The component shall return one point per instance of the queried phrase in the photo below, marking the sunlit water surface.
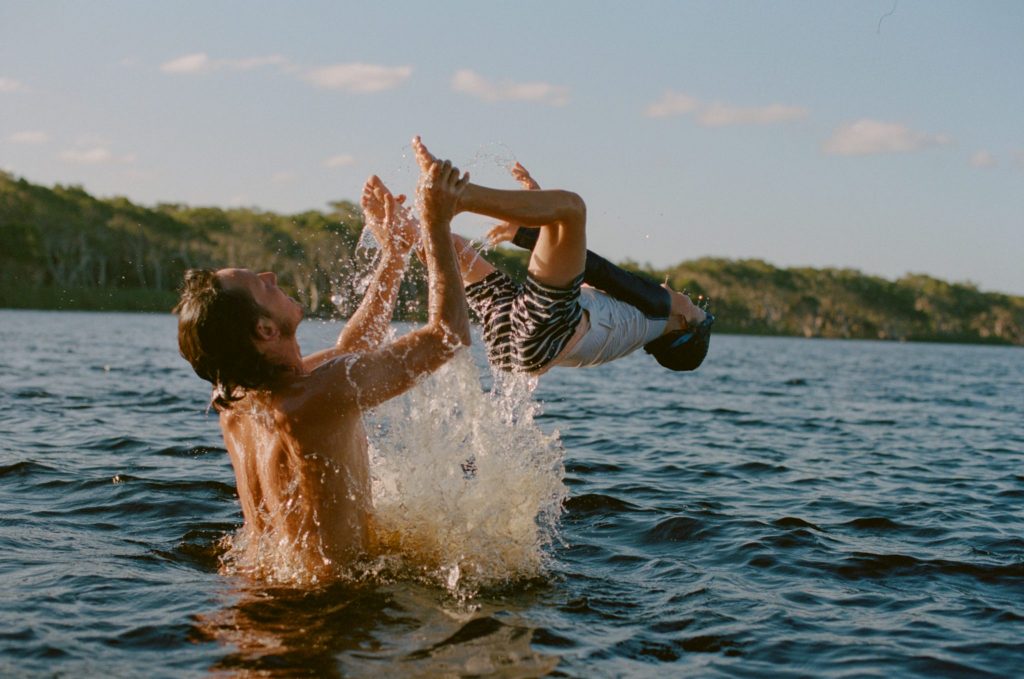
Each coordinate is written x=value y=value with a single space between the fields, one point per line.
x=794 y=508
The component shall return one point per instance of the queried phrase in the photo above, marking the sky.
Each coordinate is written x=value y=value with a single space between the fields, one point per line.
x=875 y=135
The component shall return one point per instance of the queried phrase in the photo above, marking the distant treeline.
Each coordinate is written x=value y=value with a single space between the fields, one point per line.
x=62 y=248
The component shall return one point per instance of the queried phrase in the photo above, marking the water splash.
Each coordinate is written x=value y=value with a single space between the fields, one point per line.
x=493 y=154
x=367 y=241
x=467 y=489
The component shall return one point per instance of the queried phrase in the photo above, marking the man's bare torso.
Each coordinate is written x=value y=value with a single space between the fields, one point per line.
x=300 y=481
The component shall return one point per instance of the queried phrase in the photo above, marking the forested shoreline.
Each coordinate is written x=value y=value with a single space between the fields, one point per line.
x=63 y=248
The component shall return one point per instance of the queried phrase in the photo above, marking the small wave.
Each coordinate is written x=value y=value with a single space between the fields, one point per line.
x=589 y=504
x=24 y=469
x=159 y=400
x=201 y=548
x=770 y=393
x=219 y=489
x=484 y=646
x=795 y=522
x=760 y=468
x=644 y=648
x=117 y=444
x=21 y=636
x=871 y=422
x=727 y=411
x=156 y=637
x=875 y=523
x=190 y=451
x=791 y=538
x=31 y=393
x=926 y=665
x=868 y=565
x=675 y=529
x=545 y=637
x=628 y=559
x=474 y=629
x=591 y=468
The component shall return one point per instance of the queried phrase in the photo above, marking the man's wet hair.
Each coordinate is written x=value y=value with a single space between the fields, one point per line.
x=216 y=335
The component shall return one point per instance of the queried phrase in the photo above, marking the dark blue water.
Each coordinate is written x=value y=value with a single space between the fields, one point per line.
x=795 y=508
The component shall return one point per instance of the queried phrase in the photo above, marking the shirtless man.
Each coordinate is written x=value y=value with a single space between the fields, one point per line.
x=552 y=319
x=292 y=424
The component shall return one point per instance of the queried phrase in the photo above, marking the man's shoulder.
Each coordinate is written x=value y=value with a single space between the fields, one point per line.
x=328 y=383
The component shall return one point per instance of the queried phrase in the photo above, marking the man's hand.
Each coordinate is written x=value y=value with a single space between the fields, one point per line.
x=440 y=189
x=390 y=222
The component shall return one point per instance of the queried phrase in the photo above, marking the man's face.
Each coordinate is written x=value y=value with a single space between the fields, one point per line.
x=282 y=309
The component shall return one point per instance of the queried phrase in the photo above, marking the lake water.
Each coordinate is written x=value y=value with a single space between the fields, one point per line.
x=794 y=508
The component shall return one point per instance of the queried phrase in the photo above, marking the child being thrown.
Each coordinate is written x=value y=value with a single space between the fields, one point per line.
x=575 y=309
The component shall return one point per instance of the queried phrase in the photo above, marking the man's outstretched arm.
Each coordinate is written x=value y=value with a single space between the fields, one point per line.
x=395 y=231
x=373 y=377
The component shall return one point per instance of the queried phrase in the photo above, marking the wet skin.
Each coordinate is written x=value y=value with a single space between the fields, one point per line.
x=299 y=449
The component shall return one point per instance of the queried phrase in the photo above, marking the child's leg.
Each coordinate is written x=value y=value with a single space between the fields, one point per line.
x=560 y=253
x=561 y=248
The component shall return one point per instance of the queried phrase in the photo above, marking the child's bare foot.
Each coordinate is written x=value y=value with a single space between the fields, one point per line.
x=522 y=175
x=426 y=160
x=506 y=232
x=423 y=156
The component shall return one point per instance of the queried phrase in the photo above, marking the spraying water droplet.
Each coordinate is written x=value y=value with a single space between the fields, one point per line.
x=367 y=241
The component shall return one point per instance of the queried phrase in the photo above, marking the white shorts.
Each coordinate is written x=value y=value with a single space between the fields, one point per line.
x=616 y=329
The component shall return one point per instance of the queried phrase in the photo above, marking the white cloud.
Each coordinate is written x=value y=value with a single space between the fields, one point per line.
x=720 y=115
x=10 y=85
x=92 y=140
x=983 y=159
x=283 y=177
x=190 y=63
x=672 y=104
x=868 y=137
x=357 y=77
x=200 y=62
x=250 y=63
x=97 y=155
x=472 y=83
x=29 y=137
x=340 y=160
x=352 y=77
